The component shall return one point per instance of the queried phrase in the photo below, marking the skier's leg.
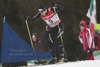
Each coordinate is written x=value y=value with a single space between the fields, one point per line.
x=57 y=50
x=61 y=50
x=52 y=47
x=53 y=52
x=61 y=44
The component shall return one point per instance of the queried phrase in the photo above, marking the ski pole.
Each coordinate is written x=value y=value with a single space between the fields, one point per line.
x=30 y=37
x=29 y=33
x=58 y=25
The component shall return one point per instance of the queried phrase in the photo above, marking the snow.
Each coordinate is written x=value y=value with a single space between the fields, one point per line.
x=95 y=63
x=97 y=58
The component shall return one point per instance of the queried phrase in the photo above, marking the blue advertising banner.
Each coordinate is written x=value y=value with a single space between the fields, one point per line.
x=15 y=49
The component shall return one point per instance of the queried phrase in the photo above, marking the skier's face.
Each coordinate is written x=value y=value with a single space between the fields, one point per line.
x=81 y=28
x=43 y=13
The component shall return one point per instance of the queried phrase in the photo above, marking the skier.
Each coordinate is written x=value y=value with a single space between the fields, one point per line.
x=50 y=16
x=97 y=36
x=85 y=38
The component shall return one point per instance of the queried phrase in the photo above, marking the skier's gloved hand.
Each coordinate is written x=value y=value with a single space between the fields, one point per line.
x=28 y=19
x=60 y=32
x=56 y=5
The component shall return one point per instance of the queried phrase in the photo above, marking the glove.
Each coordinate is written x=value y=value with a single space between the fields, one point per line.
x=88 y=51
x=56 y=5
x=26 y=18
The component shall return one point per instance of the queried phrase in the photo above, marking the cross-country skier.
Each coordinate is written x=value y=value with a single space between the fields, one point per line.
x=85 y=38
x=56 y=29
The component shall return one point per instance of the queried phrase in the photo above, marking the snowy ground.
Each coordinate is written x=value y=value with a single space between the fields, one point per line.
x=75 y=64
x=0 y=65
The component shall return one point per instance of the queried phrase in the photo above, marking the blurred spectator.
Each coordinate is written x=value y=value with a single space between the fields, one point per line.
x=37 y=43
x=97 y=36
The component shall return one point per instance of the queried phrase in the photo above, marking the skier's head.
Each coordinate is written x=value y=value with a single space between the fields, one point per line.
x=42 y=10
x=83 y=25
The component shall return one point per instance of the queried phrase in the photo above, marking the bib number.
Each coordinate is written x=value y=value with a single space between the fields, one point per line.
x=51 y=21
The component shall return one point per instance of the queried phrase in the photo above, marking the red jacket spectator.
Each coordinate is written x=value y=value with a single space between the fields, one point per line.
x=85 y=38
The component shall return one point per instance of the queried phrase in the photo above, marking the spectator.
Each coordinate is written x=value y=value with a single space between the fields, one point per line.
x=86 y=40
x=97 y=36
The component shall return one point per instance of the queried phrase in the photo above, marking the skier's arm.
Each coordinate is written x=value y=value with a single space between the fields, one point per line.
x=34 y=18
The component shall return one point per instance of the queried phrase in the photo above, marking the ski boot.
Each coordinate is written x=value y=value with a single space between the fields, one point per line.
x=53 y=61
x=62 y=59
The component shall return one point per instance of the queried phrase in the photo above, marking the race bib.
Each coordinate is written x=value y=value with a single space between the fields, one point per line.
x=51 y=20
